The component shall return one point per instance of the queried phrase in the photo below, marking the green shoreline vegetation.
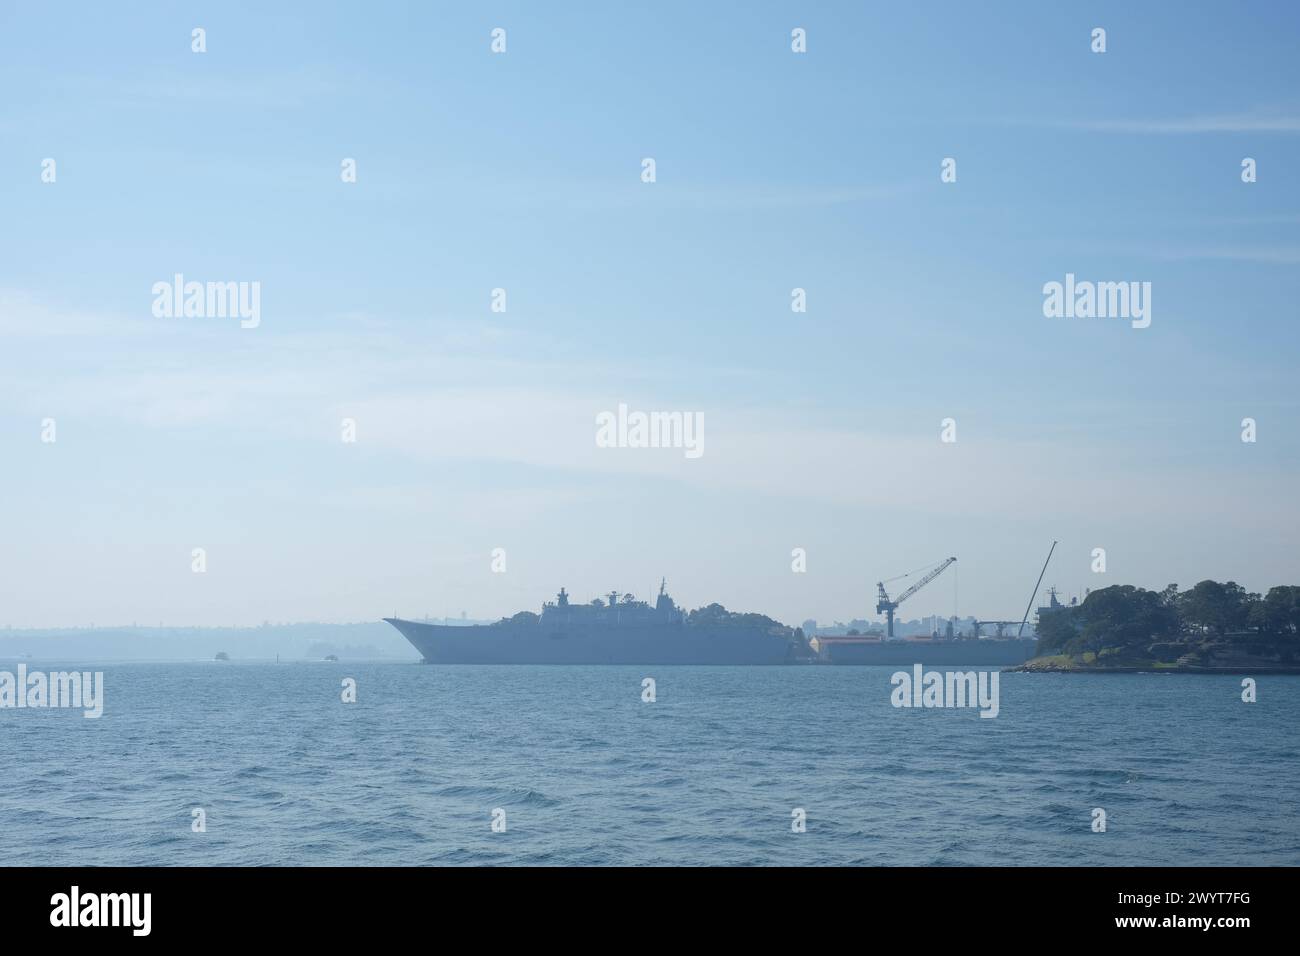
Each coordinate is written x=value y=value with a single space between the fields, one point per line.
x=1212 y=628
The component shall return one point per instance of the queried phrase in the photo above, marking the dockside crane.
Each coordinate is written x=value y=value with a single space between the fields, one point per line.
x=887 y=606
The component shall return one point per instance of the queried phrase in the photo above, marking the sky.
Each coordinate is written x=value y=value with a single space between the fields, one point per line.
x=774 y=170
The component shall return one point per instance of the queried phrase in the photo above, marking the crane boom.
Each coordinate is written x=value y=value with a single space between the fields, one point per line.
x=924 y=581
x=1037 y=585
x=885 y=605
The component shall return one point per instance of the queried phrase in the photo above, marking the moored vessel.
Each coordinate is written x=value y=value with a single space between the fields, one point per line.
x=617 y=629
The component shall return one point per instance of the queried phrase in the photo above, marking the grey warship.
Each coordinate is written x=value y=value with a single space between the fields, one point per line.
x=617 y=630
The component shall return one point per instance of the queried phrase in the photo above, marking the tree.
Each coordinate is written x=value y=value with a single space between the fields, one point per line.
x=1281 y=611
x=1214 y=607
x=1056 y=629
x=1119 y=616
x=715 y=615
x=522 y=619
x=1123 y=615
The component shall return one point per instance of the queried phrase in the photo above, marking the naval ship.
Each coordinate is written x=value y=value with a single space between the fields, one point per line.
x=617 y=630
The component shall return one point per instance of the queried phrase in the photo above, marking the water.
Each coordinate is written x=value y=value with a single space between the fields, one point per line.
x=588 y=774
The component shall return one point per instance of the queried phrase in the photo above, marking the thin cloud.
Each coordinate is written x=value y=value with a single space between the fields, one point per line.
x=1273 y=255
x=1232 y=123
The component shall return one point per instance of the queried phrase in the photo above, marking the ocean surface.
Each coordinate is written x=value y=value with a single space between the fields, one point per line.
x=587 y=773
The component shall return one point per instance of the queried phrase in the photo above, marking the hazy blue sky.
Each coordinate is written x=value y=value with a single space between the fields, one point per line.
x=775 y=170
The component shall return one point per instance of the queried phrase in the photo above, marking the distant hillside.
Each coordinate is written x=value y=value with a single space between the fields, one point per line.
x=371 y=640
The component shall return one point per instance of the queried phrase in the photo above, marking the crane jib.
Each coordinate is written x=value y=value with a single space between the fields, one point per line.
x=887 y=607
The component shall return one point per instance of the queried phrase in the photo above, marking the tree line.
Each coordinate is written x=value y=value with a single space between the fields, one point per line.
x=1124 y=615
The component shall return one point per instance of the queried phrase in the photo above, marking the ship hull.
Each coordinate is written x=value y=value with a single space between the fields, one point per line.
x=538 y=644
x=992 y=653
